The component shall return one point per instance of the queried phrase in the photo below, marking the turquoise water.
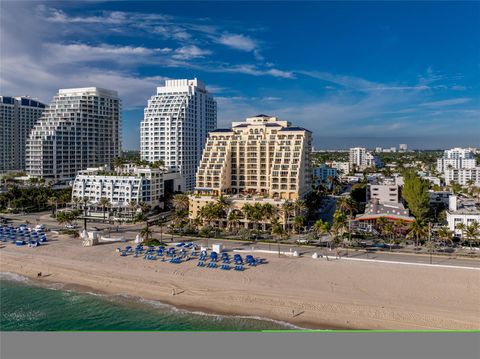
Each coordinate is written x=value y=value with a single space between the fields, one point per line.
x=25 y=306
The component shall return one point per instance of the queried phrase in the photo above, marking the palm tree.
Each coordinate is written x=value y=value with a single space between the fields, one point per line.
x=247 y=210
x=298 y=223
x=233 y=220
x=62 y=218
x=389 y=231
x=320 y=227
x=339 y=223
x=209 y=212
x=76 y=201
x=53 y=202
x=104 y=203
x=223 y=204
x=300 y=207
x=470 y=183
x=146 y=233
x=472 y=233
x=445 y=234
x=145 y=207
x=417 y=229
x=269 y=212
x=287 y=210
x=256 y=215
x=133 y=206
x=181 y=202
x=461 y=227
x=278 y=232
x=347 y=205
x=118 y=162
x=141 y=217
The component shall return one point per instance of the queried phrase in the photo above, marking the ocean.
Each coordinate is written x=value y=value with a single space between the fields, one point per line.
x=28 y=306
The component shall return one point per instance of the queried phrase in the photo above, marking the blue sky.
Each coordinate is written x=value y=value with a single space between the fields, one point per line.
x=359 y=73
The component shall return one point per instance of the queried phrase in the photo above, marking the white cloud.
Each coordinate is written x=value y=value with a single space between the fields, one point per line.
x=190 y=52
x=449 y=102
x=256 y=71
x=66 y=53
x=237 y=41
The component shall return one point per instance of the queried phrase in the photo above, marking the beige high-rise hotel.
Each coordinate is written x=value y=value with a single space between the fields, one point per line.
x=263 y=159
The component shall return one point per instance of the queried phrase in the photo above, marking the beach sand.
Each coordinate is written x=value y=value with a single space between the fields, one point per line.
x=335 y=294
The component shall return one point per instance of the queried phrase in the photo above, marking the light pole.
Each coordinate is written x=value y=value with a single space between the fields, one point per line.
x=430 y=241
x=85 y=217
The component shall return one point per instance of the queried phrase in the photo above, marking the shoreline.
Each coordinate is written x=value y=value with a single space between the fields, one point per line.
x=197 y=310
x=335 y=295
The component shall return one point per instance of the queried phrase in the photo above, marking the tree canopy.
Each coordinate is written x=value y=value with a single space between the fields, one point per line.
x=415 y=193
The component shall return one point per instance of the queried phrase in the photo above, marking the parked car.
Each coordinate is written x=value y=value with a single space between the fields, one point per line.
x=302 y=241
x=71 y=226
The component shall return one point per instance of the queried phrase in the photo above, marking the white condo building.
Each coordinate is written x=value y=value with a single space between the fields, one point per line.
x=342 y=167
x=456 y=158
x=18 y=115
x=125 y=188
x=176 y=123
x=362 y=158
x=79 y=129
x=462 y=176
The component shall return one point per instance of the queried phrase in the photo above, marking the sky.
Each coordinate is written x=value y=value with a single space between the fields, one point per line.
x=354 y=73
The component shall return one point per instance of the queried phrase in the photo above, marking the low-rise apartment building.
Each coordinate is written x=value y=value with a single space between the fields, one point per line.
x=125 y=188
x=461 y=211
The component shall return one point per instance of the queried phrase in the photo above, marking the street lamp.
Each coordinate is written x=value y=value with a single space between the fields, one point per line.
x=85 y=217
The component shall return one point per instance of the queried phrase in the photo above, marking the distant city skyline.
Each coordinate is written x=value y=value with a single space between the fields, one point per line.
x=355 y=74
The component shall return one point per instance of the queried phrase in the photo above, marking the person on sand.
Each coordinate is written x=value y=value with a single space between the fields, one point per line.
x=173 y=291
x=293 y=312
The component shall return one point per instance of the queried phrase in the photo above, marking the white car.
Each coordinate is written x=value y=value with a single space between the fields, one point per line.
x=302 y=241
x=70 y=226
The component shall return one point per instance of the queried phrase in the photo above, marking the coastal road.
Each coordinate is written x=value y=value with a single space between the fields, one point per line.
x=129 y=232
x=355 y=254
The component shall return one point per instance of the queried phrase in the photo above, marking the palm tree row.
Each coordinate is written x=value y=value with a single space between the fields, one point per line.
x=259 y=214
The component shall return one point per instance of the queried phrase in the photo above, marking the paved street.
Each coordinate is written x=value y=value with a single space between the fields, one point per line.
x=129 y=231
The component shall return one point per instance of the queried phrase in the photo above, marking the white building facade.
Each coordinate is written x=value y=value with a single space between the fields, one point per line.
x=18 y=115
x=462 y=176
x=342 y=167
x=456 y=158
x=361 y=158
x=465 y=212
x=175 y=126
x=79 y=129
x=125 y=189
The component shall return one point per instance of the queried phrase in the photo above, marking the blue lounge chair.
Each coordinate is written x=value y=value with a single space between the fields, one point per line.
x=239 y=268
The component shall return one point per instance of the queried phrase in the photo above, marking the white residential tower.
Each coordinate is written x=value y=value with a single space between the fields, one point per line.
x=79 y=129
x=175 y=127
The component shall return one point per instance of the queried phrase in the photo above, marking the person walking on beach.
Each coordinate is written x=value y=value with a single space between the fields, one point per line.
x=173 y=291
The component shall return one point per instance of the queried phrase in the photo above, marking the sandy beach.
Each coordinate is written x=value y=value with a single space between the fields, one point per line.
x=336 y=294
